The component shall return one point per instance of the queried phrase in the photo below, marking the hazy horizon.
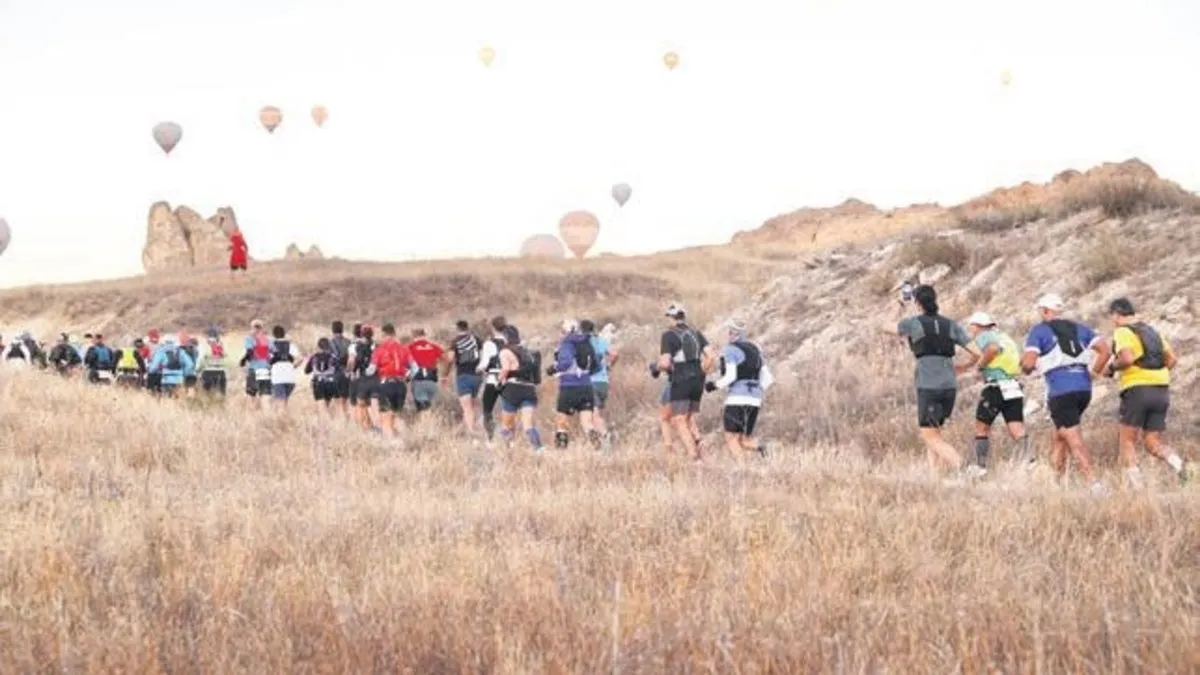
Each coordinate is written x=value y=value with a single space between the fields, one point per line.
x=427 y=153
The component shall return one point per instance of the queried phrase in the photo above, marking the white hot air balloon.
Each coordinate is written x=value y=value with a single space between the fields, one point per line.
x=621 y=193
x=167 y=135
x=5 y=235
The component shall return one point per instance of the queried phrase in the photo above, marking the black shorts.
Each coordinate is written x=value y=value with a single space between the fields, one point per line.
x=992 y=404
x=325 y=390
x=1145 y=407
x=153 y=381
x=343 y=386
x=213 y=382
x=575 y=399
x=238 y=267
x=517 y=395
x=740 y=419
x=684 y=395
x=256 y=387
x=391 y=393
x=1066 y=411
x=363 y=389
x=189 y=381
x=934 y=407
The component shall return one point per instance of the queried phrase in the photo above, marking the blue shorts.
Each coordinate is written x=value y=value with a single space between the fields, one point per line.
x=508 y=407
x=468 y=384
x=282 y=391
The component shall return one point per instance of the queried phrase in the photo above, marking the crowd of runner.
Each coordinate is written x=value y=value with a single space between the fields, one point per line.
x=368 y=375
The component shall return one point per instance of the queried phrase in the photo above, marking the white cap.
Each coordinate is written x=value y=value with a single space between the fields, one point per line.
x=735 y=325
x=1051 y=301
x=570 y=325
x=980 y=319
x=674 y=309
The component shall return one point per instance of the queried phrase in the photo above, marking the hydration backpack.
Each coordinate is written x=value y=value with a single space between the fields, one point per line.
x=751 y=365
x=173 y=360
x=281 y=351
x=466 y=351
x=529 y=365
x=1067 y=334
x=339 y=347
x=262 y=348
x=585 y=357
x=937 y=337
x=325 y=366
x=689 y=346
x=104 y=357
x=217 y=349
x=362 y=357
x=1153 y=357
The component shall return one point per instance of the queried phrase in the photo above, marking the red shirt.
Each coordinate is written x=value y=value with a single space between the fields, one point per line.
x=391 y=358
x=425 y=353
x=238 y=250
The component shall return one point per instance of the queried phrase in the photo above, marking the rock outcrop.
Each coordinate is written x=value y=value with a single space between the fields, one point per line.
x=314 y=253
x=293 y=252
x=182 y=239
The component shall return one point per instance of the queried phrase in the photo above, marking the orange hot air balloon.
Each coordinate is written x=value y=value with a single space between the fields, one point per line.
x=167 y=135
x=270 y=116
x=671 y=59
x=579 y=230
x=543 y=246
x=319 y=114
x=487 y=55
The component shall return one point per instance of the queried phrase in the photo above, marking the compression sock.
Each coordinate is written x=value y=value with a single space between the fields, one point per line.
x=595 y=438
x=983 y=446
x=506 y=434
x=535 y=438
x=561 y=439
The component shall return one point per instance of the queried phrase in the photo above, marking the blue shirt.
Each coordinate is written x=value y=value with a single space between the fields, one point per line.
x=1064 y=374
x=569 y=372
x=600 y=346
x=158 y=364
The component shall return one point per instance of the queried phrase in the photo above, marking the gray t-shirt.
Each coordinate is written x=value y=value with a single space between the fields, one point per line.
x=934 y=372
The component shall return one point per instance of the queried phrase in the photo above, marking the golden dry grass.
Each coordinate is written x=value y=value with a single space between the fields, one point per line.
x=144 y=536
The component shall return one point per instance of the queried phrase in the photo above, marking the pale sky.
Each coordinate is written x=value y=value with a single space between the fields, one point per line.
x=775 y=105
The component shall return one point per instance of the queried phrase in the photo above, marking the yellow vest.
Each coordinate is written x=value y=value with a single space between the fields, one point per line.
x=128 y=359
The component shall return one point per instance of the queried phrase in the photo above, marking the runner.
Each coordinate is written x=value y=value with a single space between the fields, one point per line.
x=426 y=355
x=574 y=364
x=520 y=374
x=191 y=347
x=324 y=368
x=464 y=355
x=257 y=362
x=999 y=365
x=64 y=358
x=489 y=368
x=341 y=346
x=686 y=356
x=1143 y=359
x=390 y=362
x=100 y=362
x=933 y=340
x=131 y=366
x=153 y=376
x=1062 y=350
x=172 y=364
x=215 y=364
x=744 y=372
x=364 y=384
x=606 y=356
x=283 y=366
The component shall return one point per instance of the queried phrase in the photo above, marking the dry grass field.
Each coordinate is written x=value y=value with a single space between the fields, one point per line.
x=148 y=536
x=145 y=536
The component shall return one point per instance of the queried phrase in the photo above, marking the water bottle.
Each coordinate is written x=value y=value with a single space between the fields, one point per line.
x=906 y=291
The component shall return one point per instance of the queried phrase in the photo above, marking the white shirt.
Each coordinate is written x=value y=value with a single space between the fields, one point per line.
x=487 y=352
x=284 y=372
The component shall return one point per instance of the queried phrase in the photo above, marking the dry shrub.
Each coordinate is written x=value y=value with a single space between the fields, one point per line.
x=1107 y=260
x=1000 y=220
x=927 y=251
x=1126 y=197
x=143 y=536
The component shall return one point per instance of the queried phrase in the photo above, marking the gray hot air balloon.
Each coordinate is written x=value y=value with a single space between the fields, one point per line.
x=167 y=135
x=543 y=246
x=621 y=192
x=5 y=235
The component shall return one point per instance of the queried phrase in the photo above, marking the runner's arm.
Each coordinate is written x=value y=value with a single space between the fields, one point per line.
x=708 y=359
x=613 y=356
x=1104 y=354
x=508 y=363
x=1169 y=359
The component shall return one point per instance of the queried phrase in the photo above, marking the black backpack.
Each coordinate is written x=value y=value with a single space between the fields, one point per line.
x=529 y=364
x=1067 y=334
x=585 y=357
x=281 y=351
x=751 y=366
x=173 y=360
x=689 y=344
x=937 y=337
x=362 y=356
x=1153 y=357
x=466 y=351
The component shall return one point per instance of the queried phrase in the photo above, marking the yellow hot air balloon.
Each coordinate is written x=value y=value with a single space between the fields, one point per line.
x=319 y=114
x=270 y=116
x=543 y=246
x=671 y=59
x=1006 y=77
x=486 y=55
x=579 y=230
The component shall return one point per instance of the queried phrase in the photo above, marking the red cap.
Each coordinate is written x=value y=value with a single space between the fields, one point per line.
x=152 y=334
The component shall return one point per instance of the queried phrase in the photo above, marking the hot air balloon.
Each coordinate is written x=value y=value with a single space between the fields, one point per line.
x=1006 y=77
x=486 y=54
x=167 y=135
x=270 y=116
x=579 y=229
x=671 y=59
x=319 y=114
x=5 y=235
x=543 y=246
x=621 y=192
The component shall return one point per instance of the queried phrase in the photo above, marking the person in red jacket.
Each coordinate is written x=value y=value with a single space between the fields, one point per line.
x=390 y=362
x=238 y=251
x=426 y=355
